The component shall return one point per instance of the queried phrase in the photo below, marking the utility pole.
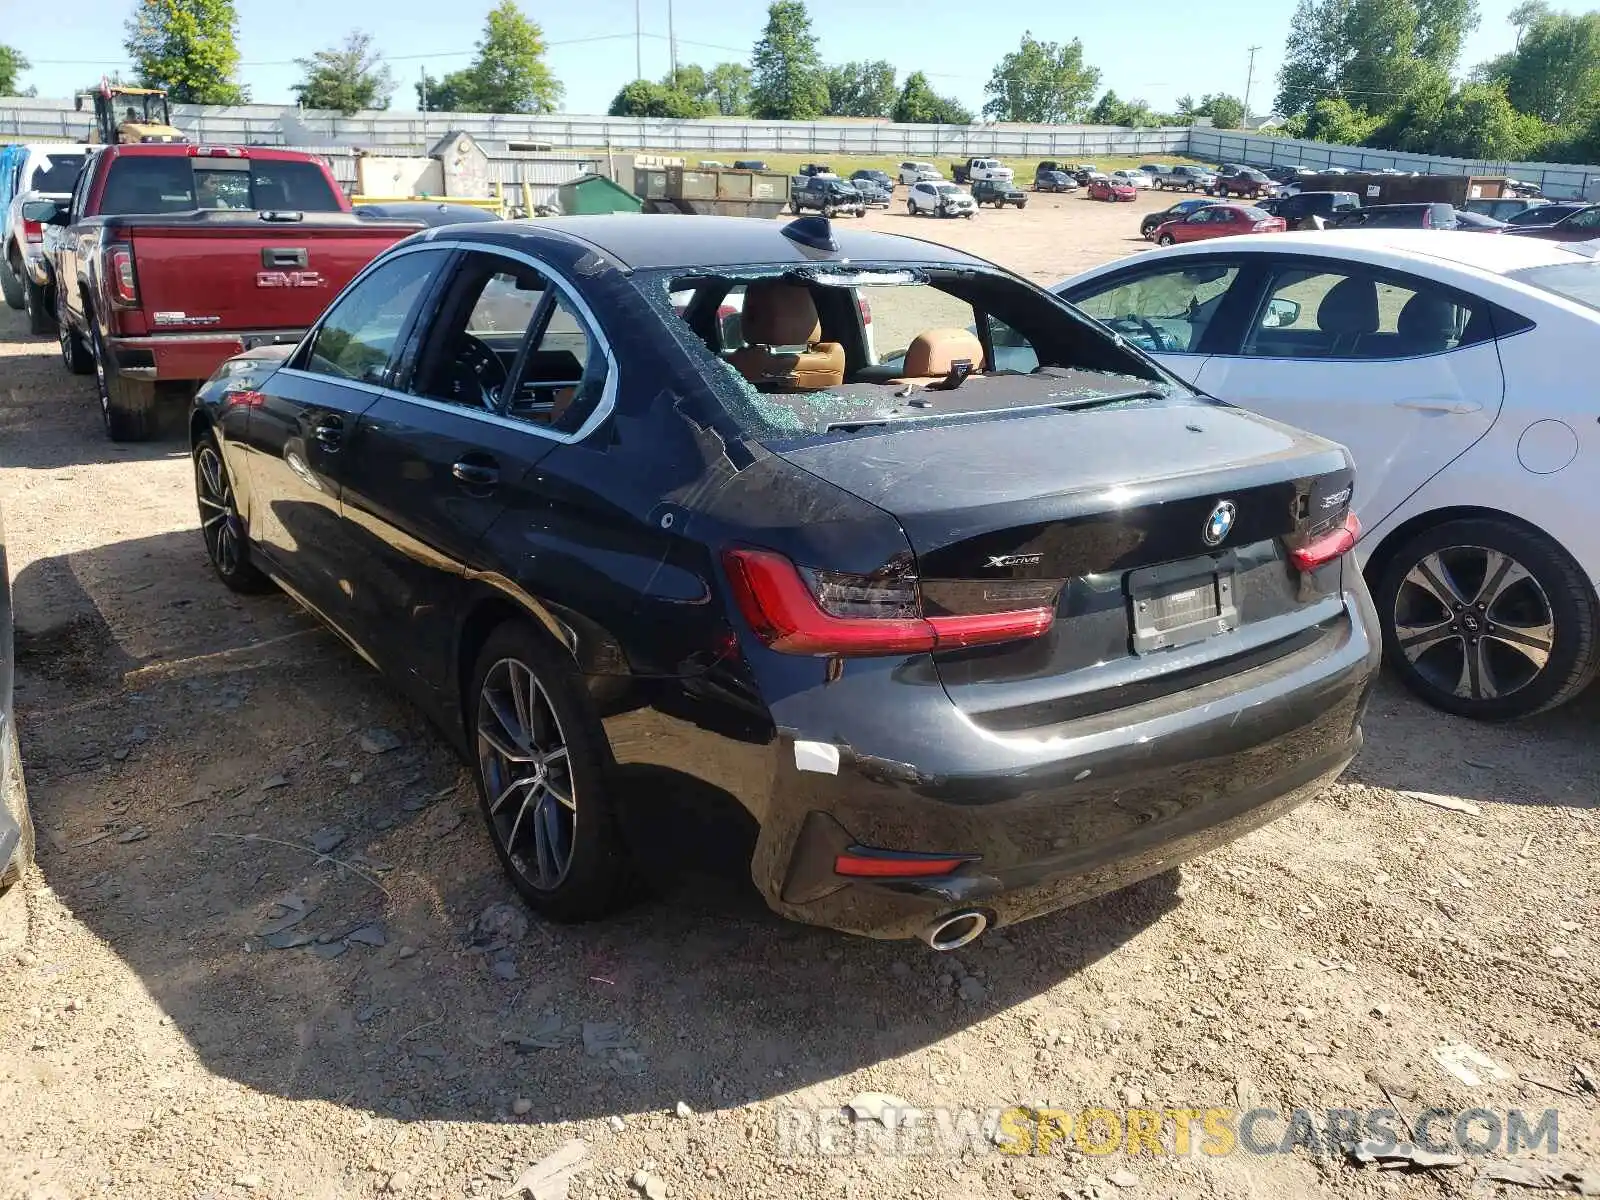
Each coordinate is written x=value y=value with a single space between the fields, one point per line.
x=672 y=43
x=638 y=43
x=1249 y=78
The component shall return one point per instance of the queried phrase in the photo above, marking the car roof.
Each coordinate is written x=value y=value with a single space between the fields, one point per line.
x=640 y=241
x=1474 y=251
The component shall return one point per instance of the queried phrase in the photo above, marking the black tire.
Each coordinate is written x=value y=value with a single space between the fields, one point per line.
x=911 y=208
x=11 y=279
x=127 y=405
x=592 y=880
x=794 y=207
x=37 y=302
x=221 y=526
x=1164 y=240
x=73 y=356
x=1501 y=578
x=16 y=803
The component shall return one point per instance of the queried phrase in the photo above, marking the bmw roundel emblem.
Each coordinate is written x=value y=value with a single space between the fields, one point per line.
x=1219 y=523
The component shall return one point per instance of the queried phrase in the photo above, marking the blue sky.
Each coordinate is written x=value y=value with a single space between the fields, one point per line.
x=1157 y=50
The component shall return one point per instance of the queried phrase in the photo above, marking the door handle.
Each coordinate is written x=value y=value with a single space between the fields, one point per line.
x=329 y=432
x=1440 y=405
x=476 y=475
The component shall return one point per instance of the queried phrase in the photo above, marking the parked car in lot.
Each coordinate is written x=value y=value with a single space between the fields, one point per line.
x=170 y=257
x=1548 y=213
x=1188 y=179
x=427 y=212
x=1151 y=222
x=813 y=169
x=1106 y=188
x=898 y=674
x=749 y=164
x=1244 y=182
x=36 y=171
x=1471 y=222
x=1217 y=220
x=1156 y=171
x=1299 y=209
x=974 y=169
x=826 y=194
x=918 y=172
x=1398 y=216
x=1503 y=208
x=1084 y=172
x=1581 y=226
x=988 y=191
x=16 y=824
x=939 y=200
x=1445 y=362
x=882 y=178
x=1054 y=181
x=1134 y=179
x=873 y=193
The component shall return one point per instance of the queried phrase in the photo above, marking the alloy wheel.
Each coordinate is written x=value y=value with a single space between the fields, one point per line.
x=219 y=518
x=1474 y=622
x=527 y=774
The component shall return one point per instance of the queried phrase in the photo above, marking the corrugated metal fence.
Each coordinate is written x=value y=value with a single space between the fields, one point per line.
x=505 y=135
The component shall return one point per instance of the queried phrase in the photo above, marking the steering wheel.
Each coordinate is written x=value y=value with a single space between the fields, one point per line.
x=476 y=361
x=1133 y=326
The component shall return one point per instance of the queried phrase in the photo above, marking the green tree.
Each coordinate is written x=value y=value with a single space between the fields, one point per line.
x=689 y=78
x=349 y=77
x=1334 y=119
x=919 y=104
x=12 y=65
x=187 y=47
x=1554 y=73
x=1111 y=109
x=508 y=75
x=1042 y=82
x=641 y=98
x=728 y=88
x=787 y=82
x=440 y=95
x=861 y=89
x=1525 y=15
x=1226 y=112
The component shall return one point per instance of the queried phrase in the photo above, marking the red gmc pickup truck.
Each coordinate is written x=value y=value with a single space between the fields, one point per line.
x=170 y=258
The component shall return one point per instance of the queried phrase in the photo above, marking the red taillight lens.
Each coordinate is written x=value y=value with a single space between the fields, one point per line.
x=827 y=612
x=1328 y=547
x=866 y=309
x=1427 y=218
x=119 y=273
x=861 y=863
x=32 y=231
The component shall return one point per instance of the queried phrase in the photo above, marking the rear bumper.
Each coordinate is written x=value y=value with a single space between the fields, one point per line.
x=189 y=355
x=1056 y=815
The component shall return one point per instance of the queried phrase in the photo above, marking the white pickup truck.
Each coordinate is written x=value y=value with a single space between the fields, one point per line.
x=982 y=168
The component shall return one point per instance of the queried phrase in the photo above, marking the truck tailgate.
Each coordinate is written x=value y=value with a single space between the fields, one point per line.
x=256 y=277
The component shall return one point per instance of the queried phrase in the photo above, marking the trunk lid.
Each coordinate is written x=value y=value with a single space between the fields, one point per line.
x=246 y=273
x=1166 y=524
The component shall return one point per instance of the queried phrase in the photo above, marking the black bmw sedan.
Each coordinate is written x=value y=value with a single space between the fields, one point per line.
x=972 y=608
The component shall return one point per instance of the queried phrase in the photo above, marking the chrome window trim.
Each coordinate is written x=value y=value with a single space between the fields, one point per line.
x=608 y=393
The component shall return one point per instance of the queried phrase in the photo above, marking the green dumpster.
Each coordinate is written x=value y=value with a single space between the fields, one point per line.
x=588 y=195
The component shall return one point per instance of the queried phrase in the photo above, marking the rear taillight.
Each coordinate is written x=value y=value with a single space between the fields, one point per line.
x=32 y=231
x=1321 y=551
x=864 y=862
x=1427 y=218
x=799 y=611
x=124 y=284
x=866 y=309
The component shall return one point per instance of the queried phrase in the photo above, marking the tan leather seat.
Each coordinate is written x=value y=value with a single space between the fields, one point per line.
x=782 y=329
x=934 y=352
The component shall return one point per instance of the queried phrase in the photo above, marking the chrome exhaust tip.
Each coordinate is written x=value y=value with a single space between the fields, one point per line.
x=955 y=930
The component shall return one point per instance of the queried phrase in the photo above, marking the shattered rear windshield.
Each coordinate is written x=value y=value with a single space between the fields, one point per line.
x=822 y=350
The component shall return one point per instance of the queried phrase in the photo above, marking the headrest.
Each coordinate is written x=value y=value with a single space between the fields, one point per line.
x=779 y=313
x=934 y=351
x=1351 y=306
x=1427 y=317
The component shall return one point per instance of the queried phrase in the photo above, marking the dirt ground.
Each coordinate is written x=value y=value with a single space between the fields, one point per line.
x=188 y=753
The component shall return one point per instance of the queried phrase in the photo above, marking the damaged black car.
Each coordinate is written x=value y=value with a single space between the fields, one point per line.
x=965 y=606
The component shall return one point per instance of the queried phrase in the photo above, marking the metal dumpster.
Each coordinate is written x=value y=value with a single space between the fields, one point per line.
x=712 y=192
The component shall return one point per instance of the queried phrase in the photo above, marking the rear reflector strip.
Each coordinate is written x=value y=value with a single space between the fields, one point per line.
x=860 y=862
x=783 y=612
x=1328 y=547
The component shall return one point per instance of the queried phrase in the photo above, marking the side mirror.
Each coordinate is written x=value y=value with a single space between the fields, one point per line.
x=46 y=212
x=1280 y=312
